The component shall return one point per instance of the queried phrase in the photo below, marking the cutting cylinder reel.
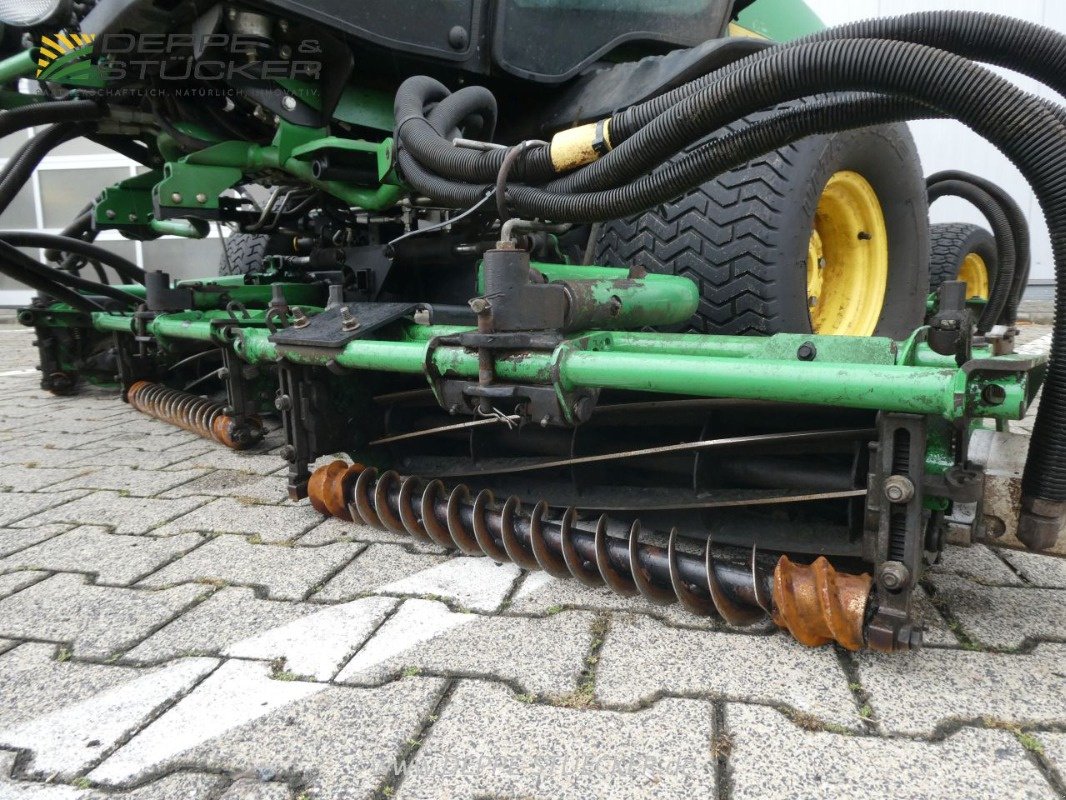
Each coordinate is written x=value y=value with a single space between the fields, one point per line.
x=814 y=602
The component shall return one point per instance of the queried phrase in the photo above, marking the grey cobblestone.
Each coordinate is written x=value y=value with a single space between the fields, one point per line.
x=31 y=479
x=251 y=789
x=376 y=566
x=114 y=558
x=540 y=593
x=1003 y=617
x=256 y=462
x=240 y=720
x=14 y=539
x=229 y=615
x=1039 y=570
x=979 y=564
x=916 y=693
x=662 y=751
x=226 y=515
x=33 y=683
x=772 y=758
x=1054 y=748
x=26 y=508
x=122 y=514
x=72 y=738
x=332 y=530
x=131 y=481
x=287 y=573
x=315 y=647
x=543 y=656
x=99 y=620
x=642 y=660
x=231 y=483
x=16 y=581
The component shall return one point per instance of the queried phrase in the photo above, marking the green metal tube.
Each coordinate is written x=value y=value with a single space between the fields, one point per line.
x=888 y=388
x=20 y=65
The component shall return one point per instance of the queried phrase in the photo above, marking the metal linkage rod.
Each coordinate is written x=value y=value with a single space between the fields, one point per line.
x=814 y=602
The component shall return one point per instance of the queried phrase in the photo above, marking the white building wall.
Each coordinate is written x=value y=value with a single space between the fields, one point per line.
x=950 y=145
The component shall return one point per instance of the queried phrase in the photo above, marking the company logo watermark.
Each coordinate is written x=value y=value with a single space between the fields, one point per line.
x=119 y=60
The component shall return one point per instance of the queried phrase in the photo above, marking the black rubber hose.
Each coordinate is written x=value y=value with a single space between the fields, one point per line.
x=1025 y=47
x=12 y=255
x=1006 y=249
x=18 y=119
x=1019 y=227
x=80 y=226
x=438 y=155
x=45 y=285
x=472 y=108
x=28 y=158
x=124 y=267
x=828 y=114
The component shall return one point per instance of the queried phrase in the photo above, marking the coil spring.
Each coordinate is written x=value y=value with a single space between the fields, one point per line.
x=195 y=414
x=814 y=602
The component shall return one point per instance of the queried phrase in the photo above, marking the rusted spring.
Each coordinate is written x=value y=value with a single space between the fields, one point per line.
x=815 y=603
x=195 y=414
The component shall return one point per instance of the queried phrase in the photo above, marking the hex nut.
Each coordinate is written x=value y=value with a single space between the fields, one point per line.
x=899 y=489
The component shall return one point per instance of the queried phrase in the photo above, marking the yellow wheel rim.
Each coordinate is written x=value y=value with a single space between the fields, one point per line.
x=974 y=272
x=847 y=258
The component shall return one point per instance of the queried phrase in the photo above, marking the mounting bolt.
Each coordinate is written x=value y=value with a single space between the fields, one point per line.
x=899 y=489
x=175 y=197
x=288 y=452
x=110 y=213
x=348 y=321
x=288 y=102
x=133 y=217
x=812 y=301
x=223 y=373
x=894 y=576
x=806 y=351
x=283 y=402
x=285 y=52
x=994 y=394
x=479 y=305
x=299 y=318
x=201 y=198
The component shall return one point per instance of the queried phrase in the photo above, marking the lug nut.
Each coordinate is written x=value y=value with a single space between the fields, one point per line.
x=899 y=489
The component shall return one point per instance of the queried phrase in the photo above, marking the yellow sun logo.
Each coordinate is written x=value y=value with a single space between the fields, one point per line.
x=61 y=49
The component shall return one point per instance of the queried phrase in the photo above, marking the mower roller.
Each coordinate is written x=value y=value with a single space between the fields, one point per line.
x=649 y=310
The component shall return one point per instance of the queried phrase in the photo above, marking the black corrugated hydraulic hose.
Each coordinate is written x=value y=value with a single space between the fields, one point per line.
x=1025 y=47
x=124 y=267
x=18 y=119
x=17 y=271
x=1019 y=228
x=21 y=165
x=437 y=154
x=10 y=254
x=1006 y=248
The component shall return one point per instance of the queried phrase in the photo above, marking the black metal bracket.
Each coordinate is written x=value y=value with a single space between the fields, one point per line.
x=336 y=327
x=896 y=527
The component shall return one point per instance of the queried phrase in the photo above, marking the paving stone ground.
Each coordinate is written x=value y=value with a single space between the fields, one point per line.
x=173 y=628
